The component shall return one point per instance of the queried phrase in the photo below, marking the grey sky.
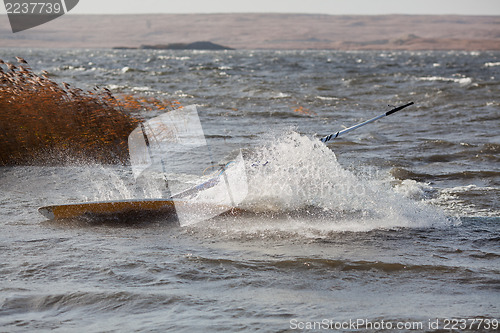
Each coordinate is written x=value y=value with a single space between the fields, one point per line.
x=364 y=7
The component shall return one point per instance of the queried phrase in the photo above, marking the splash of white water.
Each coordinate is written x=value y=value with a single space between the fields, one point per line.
x=296 y=183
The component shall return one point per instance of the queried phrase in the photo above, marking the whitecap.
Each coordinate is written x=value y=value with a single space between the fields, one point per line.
x=462 y=81
x=327 y=98
x=280 y=95
x=115 y=87
x=141 y=88
x=492 y=64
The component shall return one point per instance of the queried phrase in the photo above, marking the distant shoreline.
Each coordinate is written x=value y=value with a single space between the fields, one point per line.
x=263 y=32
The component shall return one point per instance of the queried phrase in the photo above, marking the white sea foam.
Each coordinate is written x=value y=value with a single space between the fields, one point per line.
x=115 y=87
x=142 y=89
x=415 y=190
x=492 y=64
x=278 y=95
x=327 y=98
x=462 y=81
x=455 y=200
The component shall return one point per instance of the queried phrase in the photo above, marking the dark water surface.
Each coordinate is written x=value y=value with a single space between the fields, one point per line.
x=395 y=223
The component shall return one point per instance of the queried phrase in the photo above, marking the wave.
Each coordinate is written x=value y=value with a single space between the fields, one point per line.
x=86 y=301
x=327 y=98
x=491 y=64
x=402 y=173
x=462 y=81
x=323 y=264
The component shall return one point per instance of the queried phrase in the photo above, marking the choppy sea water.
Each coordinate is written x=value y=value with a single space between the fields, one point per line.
x=395 y=223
